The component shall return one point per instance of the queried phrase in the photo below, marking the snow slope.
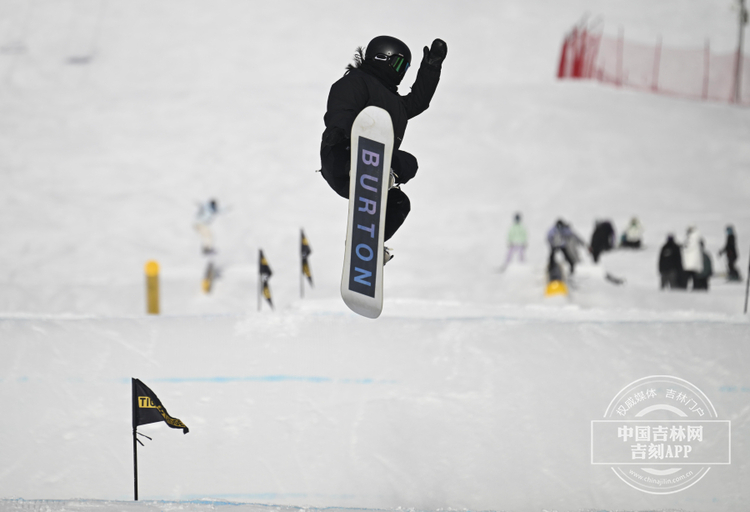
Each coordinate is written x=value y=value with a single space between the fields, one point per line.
x=472 y=390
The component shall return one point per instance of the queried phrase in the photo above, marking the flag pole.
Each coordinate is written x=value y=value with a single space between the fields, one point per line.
x=260 y=278
x=147 y=408
x=747 y=286
x=301 y=267
x=135 y=439
x=135 y=462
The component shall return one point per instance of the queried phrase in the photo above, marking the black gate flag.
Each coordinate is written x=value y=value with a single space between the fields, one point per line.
x=265 y=274
x=305 y=252
x=147 y=408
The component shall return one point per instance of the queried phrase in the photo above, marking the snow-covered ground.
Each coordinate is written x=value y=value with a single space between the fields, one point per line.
x=473 y=390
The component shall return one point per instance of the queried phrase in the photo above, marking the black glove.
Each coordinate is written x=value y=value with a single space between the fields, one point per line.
x=333 y=136
x=436 y=55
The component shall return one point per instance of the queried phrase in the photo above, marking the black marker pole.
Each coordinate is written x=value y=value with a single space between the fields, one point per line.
x=747 y=286
x=135 y=439
x=135 y=463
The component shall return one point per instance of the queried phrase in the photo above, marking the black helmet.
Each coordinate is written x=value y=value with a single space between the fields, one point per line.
x=390 y=51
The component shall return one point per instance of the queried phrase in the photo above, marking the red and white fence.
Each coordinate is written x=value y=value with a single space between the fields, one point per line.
x=692 y=73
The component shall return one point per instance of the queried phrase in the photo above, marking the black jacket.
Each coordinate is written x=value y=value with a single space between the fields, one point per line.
x=730 y=248
x=670 y=257
x=364 y=86
x=603 y=238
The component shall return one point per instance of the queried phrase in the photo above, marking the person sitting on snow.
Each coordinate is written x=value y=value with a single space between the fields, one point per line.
x=633 y=233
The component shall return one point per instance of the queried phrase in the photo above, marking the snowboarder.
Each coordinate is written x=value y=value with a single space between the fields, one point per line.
x=373 y=80
x=730 y=249
x=670 y=264
x=562 y=238
x=205 y=216
x=517 y=239
x=603 y=239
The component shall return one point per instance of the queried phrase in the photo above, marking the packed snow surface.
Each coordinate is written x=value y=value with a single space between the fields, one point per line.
x=473 y=390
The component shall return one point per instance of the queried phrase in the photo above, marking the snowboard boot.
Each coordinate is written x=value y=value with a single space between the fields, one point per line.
x=387 y=256
x=392 y=180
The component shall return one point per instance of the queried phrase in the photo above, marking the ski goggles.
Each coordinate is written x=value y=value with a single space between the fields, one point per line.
x=397 y=62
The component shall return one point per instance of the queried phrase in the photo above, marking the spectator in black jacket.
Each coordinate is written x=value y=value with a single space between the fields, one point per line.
x=730 y=249
x=373 y=81
x=670 y=264
x=603 y=239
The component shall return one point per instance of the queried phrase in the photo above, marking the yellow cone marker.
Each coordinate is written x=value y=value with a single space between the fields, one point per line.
x=556 y=288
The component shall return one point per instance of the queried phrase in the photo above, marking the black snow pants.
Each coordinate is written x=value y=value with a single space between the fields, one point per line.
x=335 y=169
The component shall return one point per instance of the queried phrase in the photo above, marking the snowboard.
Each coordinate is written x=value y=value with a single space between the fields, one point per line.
x=371 y=150
x=209 y=277
x=556 y=282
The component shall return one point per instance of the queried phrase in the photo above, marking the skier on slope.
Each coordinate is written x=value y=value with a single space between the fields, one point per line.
x=373 y=80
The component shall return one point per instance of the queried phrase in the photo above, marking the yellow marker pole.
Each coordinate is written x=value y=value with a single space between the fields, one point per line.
x=152 y=288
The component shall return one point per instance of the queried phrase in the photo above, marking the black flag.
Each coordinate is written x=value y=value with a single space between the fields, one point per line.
x=265 y=275
x=305 y=251
x=147 y=408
